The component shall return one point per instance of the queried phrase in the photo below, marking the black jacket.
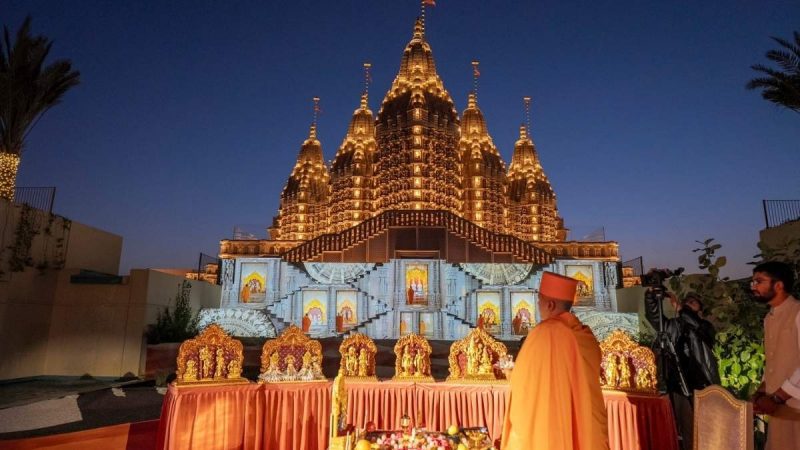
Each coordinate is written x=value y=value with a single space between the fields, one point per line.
x=693 y=339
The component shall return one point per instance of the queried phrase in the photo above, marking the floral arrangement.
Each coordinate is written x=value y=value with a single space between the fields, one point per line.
x=416 y=441
x=455 y=439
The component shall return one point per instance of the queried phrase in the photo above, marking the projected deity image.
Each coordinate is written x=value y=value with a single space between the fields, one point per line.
x=346 y=308
x=253 y=284
x=426 y=324
x=314 y=305
x=523 y=312
x=489 y=311
x=406 y=319
x=417 y=284
x=585 y=280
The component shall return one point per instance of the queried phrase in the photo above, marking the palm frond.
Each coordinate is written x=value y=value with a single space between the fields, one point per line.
x=780 y=86
x=28 y=86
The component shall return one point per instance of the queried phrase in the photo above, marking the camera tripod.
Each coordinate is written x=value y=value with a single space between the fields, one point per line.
x=665 y=347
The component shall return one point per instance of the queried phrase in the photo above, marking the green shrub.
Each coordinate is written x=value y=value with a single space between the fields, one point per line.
x=178 y=325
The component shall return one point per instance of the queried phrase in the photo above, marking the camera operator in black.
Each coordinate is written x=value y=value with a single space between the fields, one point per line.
x=693 y=340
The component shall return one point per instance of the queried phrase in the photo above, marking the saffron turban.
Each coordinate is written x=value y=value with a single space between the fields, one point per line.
x=558 y=287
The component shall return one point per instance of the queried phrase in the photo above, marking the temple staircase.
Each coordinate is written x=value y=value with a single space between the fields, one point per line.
x=491 y=242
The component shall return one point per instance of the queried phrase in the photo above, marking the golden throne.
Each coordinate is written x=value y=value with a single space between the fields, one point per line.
x=473 y=358
x=212 y=357
x=292 y=356
x=413 y=362
x=627 y=365
x=358 y=357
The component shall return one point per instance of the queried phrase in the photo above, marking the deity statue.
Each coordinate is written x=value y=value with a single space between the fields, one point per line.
x=338 y=405
x=643 y=379
x=234 y=368
x=190 y=374
x=315 y=369
x=206 y=363
x=290 y=368
x=306 y=361
x=363 y=363
x=351 y=362
x=612 y=376
x=473 y=356
x=406 y=363
x=273 y=363
x=470 y=351
x=419 y=363
x=485 y=367
x=220 y=365
x=624 y=373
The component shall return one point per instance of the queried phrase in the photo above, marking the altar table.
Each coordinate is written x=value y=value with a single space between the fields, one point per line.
x=291 y=416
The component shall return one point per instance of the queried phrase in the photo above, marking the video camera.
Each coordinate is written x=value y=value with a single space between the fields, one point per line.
x=654 y=278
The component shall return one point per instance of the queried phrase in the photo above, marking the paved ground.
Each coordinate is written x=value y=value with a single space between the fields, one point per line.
x=51 y=405
x=44 y=407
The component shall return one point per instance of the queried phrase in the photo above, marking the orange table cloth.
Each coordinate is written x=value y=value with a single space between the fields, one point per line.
x=640 y=422
x=246 y=416
x=437 y=405
x=293 y=416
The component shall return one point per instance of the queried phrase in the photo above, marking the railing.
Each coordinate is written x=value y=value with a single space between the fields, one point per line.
x=248 y=232
x=481 y=237
x=778 y=212
x=36 y=197
x=208 y=268
x=637 y=264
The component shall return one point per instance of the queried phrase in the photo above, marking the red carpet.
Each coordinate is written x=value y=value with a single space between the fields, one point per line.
x=127 y=436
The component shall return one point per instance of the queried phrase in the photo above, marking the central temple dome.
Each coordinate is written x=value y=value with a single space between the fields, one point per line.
x=417 y=154
x=417 y=133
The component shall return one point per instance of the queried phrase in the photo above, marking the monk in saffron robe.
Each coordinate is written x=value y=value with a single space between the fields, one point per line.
x=306 y=323
x=556 y=402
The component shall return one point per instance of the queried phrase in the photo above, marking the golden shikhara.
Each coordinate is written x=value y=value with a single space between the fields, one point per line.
x=418 y=154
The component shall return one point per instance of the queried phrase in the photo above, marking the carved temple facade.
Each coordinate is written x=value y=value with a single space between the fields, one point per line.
x=416 y=225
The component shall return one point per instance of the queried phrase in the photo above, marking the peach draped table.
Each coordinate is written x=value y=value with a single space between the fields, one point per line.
x=292 y=416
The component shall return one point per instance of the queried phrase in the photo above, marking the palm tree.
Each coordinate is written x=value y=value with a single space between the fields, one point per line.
x=28 y=89
x=781 y=86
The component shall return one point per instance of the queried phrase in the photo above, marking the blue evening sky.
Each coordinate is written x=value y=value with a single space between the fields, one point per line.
x=190 y=114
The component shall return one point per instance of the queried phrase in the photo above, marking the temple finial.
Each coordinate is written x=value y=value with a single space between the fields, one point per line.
x=313 y=132
x=367 y=81
x=475 y=75
x=422 y=5
x=527 y=102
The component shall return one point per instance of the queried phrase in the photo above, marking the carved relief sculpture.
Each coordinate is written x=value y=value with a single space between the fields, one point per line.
x=474 y=358
x=413 y=353
x=292 y=356
x=208 y=358
x=627 y=365
x=358 y=357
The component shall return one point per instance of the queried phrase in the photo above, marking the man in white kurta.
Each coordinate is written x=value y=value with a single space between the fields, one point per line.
x=779 y=394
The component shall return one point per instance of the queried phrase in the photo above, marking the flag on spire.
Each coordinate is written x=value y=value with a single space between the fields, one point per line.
x=317 y=109
x=429 y=2
x=475 y=72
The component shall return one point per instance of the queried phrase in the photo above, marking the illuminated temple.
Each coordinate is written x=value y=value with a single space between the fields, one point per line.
x=416 y=225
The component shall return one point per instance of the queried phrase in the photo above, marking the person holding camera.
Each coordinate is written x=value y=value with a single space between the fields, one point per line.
x=693 y=365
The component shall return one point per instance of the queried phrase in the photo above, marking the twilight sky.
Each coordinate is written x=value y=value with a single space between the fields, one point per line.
x=190 y=114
